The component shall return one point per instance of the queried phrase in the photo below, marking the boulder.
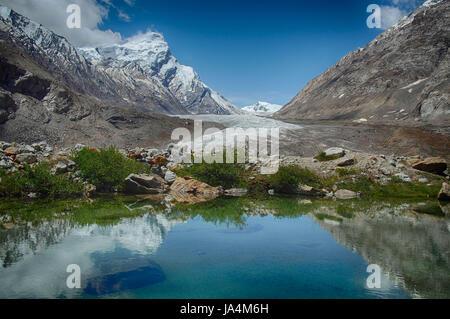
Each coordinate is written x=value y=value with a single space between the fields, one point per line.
x=61 y=168
x=346 y=194
x=191 y=191
x=27 y=158
x=236 y=192
x=170 y=177
x=348 y=162
x=435 y=165
x=6 y=164
x=335 y=151
x=21 y=149
x=144 y=184
x=306 y=190
x=444 y=194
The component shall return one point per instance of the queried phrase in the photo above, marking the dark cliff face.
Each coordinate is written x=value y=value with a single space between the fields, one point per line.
x=402 y=75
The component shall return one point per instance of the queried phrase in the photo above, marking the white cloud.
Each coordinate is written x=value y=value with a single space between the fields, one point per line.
x=391 y=15
x=52 y=14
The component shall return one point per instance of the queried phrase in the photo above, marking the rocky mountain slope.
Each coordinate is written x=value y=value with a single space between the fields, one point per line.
x=402 y=75
x=262 y=108
x=36 y=106
x=149 y=53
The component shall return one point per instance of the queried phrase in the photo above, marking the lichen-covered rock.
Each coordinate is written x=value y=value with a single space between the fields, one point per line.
x=191 y=191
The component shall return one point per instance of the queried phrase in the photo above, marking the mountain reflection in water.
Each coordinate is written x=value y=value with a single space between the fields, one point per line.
x=143 y=255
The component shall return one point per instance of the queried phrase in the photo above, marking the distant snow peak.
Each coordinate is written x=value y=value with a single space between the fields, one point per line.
x=151 y=53
x=263 y=108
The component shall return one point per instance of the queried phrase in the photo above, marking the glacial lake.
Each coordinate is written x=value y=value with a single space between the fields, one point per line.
x=229 y=248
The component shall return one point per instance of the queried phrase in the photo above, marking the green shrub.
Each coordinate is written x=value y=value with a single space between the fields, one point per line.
x=40 y=180
x=287 y=179
x=216 y=174
x=106 y=168
x=346 y=172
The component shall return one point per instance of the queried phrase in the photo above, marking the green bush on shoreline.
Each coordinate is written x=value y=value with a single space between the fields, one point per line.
x=106 y=169
x=40 y=180
x=216 y=174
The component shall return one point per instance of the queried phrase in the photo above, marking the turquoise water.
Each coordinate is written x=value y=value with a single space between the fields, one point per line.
x=290 y=250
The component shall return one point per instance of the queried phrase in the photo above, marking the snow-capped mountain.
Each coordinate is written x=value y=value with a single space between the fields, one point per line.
x=140 y=73
x=150 y=54
x=262 y=108
x=128 y=87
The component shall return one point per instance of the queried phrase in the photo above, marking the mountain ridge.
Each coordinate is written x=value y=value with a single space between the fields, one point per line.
x=402 y=75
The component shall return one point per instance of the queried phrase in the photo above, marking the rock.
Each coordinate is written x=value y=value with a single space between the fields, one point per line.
x=21 y=149
x=153 y=152
x=10 y=151
x=306 y=190
x=61 y=168
x=89 y=190
x=346 y=194
x=5 y=145
x=170 y=177
x=444 y=194
x=160 y=160
x=5 y=164
x=405 y=178
x=304 y=202
x=144 y=184
x=393 y=162
x=191 y=191
x=435 y=165
x=348 y=162
x=236 y=192
x=386 y=171
x=79 y=147
x=335 y=151
x=423 y=180
x=271 y=192
x=27 y=158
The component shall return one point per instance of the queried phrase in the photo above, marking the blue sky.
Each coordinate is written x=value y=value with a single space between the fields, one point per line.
x=247 y=50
